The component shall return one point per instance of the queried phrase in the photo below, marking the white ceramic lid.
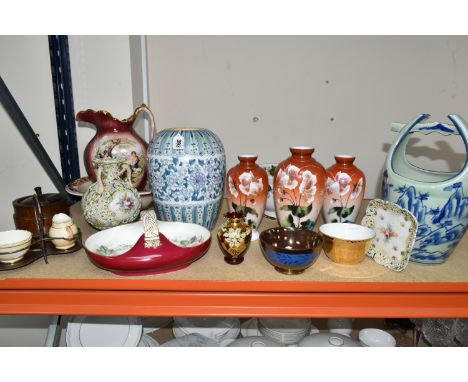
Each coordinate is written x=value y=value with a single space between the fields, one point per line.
x=61 y=218
x=14 y=237
x=328 y=340
x=91 y=331
x=257 y=341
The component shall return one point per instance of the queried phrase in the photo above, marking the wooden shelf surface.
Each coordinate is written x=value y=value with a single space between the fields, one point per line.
x=71 y=285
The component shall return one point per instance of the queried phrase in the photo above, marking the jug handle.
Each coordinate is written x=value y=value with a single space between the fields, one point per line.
x=146 y=109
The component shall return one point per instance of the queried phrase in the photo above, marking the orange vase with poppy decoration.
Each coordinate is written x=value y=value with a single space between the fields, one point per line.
x=344 y=190
x=298 y=189
x=246 y=191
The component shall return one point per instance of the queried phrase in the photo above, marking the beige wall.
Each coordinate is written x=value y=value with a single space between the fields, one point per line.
x=25 y=68
x=101 y=79
x=338 y=94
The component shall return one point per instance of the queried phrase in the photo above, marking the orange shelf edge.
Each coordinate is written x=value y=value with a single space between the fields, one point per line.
x=238 y=304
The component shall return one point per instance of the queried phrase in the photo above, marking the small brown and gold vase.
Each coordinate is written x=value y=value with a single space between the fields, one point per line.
x=234 y=237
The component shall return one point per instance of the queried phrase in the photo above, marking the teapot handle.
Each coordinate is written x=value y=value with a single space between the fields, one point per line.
x=99 y=184
x=146 y=109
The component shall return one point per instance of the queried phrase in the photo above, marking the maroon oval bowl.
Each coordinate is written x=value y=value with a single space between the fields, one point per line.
x=122 y=250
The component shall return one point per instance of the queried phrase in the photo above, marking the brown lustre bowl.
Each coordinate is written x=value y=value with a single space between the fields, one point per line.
x=290 y=250
x=346 y=243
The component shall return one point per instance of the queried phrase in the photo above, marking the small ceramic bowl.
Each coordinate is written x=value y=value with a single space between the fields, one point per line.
x=376 y=338
x=346 y=243
x=290 y=250
x=14 y=244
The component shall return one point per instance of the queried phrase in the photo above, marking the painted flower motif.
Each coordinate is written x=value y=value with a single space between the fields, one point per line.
x=172 y=183
x=232 y=188
x=388 y=232
x=248 y=185
x=308 y=186
x=288 y=178
x=184 y=194
x=235 y=236
x=211 y=166
x=126 y=202
x=340 y=184
x=357 y=189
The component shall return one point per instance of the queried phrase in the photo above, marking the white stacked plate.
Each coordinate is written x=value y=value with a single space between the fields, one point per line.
x=222 y=330
x=287 y=331
x=89 y=331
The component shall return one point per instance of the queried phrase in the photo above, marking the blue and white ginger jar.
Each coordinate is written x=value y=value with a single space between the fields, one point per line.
x=436 y=199
x=186 y=170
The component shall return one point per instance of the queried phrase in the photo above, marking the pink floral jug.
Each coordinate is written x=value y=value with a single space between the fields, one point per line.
x=116 y=139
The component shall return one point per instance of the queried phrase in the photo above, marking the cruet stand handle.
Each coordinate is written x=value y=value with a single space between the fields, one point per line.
x=150 y=226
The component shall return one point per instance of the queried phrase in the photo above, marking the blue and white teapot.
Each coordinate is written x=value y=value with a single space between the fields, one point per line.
x=436 y=199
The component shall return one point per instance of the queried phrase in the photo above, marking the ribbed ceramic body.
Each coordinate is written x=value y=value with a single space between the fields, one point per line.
x=298 y=190
x=344 y=190
x=186 y=169
x=436 y=199
x=246 y=191
x=116 y=139
x=111 y=201
x=234 y=237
